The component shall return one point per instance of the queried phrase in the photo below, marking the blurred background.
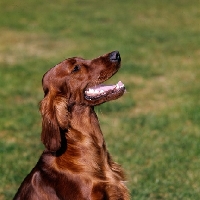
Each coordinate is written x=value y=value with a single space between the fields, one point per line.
x=153 y=130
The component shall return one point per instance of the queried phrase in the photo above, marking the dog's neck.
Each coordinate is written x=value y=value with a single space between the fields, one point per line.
x=85 y=121
x=85 y=146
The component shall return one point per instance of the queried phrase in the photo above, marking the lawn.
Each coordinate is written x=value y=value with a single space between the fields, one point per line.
x=153 y=131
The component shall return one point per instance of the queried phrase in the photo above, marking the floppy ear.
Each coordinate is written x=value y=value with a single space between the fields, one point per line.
x=54 y=119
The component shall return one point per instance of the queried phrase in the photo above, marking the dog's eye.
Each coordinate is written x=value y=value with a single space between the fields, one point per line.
x=76 y=68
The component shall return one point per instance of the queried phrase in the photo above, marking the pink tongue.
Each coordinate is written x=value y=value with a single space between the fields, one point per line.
x=104 y=87
x=107 y=87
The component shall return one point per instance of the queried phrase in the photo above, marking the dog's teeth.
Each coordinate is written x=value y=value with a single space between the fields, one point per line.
x=89 y=91
x=119 y=85
x=102 y=90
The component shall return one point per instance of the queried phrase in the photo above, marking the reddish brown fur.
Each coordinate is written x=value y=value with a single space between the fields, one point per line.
x=75 y=164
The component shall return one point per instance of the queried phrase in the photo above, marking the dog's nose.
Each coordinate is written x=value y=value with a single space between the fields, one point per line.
x=115 y=56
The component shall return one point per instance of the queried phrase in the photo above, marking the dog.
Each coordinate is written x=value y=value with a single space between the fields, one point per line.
x=75 y=164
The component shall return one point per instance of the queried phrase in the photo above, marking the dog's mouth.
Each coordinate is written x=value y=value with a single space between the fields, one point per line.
x=99 y=91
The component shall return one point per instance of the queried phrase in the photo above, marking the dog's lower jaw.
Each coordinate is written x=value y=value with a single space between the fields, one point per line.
x=108 y=97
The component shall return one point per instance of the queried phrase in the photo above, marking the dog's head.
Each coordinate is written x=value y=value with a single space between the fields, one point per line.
x=75 y=81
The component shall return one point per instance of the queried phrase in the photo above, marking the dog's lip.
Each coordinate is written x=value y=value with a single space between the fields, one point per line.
x=101 y=90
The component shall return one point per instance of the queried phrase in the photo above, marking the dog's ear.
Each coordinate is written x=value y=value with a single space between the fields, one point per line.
x=54 y=119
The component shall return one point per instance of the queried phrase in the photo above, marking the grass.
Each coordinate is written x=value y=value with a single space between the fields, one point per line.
x=153 y=130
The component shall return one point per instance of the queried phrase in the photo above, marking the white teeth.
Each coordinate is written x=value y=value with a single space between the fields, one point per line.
x=92 y=91
x=104 y=89
x=119 y=85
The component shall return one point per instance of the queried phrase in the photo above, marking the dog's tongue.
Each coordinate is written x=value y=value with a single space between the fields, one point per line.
x=109 y=87
x=100 y=89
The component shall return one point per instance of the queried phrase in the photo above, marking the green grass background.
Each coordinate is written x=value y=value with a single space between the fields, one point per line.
x=153 y=131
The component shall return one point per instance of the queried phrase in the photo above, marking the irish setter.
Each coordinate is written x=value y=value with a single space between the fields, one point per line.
x=76 y=164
